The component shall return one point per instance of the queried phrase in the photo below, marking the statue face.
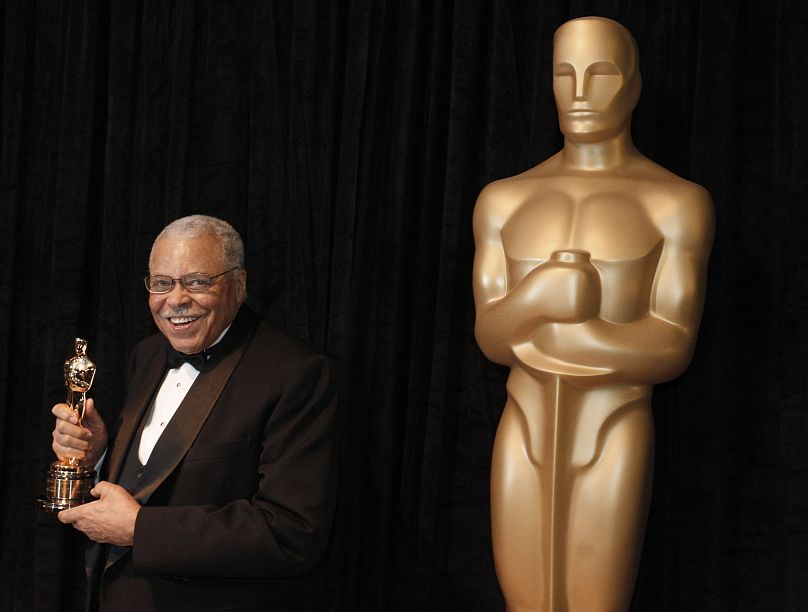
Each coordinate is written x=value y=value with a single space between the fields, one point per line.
x=595 y=80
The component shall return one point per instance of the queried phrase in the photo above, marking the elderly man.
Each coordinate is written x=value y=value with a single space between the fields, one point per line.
x=221 y=472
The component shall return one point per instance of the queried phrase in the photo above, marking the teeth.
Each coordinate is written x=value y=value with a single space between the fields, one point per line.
x=180 y=320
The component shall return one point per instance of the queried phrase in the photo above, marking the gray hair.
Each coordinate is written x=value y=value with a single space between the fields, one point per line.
x=195 y=226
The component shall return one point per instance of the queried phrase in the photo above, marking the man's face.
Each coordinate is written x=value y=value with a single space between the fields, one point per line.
x=592 y=80
x=193 y=321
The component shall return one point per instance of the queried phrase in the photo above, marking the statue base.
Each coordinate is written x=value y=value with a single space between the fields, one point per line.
x=67 y=485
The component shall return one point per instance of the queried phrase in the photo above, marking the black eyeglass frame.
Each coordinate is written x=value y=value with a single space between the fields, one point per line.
x=186 y=278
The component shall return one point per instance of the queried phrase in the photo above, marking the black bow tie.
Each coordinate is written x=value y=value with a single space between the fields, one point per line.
x=208 y=358
x=175 y=359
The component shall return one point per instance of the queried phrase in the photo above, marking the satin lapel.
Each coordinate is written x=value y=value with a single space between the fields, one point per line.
x=185 y=425
x=132 y=413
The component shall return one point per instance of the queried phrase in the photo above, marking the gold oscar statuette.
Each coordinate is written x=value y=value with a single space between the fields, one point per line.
x=69 y=481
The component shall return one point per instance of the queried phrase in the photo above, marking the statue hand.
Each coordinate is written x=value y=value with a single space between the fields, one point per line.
x=564 y=289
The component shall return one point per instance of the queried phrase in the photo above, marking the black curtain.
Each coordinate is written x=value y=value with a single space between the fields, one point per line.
x=347 y=141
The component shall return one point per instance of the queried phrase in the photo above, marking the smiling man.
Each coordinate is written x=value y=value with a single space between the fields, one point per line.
x=193 y=320
x=220 y=478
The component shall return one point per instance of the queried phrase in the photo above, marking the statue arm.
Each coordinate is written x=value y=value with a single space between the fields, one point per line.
x=508 y=313
x=658 y=346
x=501 y=311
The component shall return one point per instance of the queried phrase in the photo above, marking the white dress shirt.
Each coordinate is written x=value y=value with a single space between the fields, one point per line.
x=175 y=387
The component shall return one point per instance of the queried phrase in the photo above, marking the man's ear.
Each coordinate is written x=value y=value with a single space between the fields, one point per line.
x=241 y=285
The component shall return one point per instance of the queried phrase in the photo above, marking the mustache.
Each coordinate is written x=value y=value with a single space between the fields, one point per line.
x=179 y=312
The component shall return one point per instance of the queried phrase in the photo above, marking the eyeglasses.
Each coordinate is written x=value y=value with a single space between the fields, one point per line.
x=195 y=282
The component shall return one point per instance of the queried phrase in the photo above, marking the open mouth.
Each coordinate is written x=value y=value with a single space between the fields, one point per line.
x=182 y=322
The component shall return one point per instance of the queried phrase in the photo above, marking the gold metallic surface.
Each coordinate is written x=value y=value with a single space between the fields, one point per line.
x=589 y=280
x=68 y=482
x=67 y=485
x=79 y=375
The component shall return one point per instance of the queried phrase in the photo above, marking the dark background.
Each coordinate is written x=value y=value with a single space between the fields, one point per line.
x=348 y=141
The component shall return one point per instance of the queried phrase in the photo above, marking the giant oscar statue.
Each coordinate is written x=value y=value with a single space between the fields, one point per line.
x=589 y=279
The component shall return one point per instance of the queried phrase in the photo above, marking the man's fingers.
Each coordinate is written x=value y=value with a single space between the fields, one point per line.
x=63 y=413
x=85 y=442
x=66 y=433
x=67 y=516
x=71 y=440
x=100 y=488
x=92 y=419
x=64 y=428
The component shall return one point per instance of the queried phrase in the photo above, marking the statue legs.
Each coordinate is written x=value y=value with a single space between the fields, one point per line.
x=571 y=482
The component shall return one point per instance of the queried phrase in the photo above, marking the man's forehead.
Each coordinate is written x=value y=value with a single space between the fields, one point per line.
x=198 y=252
x=585 y=42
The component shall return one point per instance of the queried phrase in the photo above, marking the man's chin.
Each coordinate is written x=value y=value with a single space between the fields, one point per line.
x=183 y=342
x=185 y=347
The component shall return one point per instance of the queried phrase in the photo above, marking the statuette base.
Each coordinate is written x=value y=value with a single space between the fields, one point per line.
x=67 y=485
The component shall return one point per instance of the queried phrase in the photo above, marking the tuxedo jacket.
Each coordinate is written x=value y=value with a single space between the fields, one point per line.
x=238 y=494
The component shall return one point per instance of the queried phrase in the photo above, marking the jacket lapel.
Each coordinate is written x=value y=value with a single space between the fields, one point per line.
x=181 y=432
x=137 y=403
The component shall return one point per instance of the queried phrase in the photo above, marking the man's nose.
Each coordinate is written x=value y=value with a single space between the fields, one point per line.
x=178 y=295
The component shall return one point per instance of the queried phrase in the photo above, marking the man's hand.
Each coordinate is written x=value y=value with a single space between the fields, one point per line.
x=108 y=520
x=71 y=440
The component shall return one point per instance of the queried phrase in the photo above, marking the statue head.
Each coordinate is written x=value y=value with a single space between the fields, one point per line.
x=79 y=370
x=596 y=78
